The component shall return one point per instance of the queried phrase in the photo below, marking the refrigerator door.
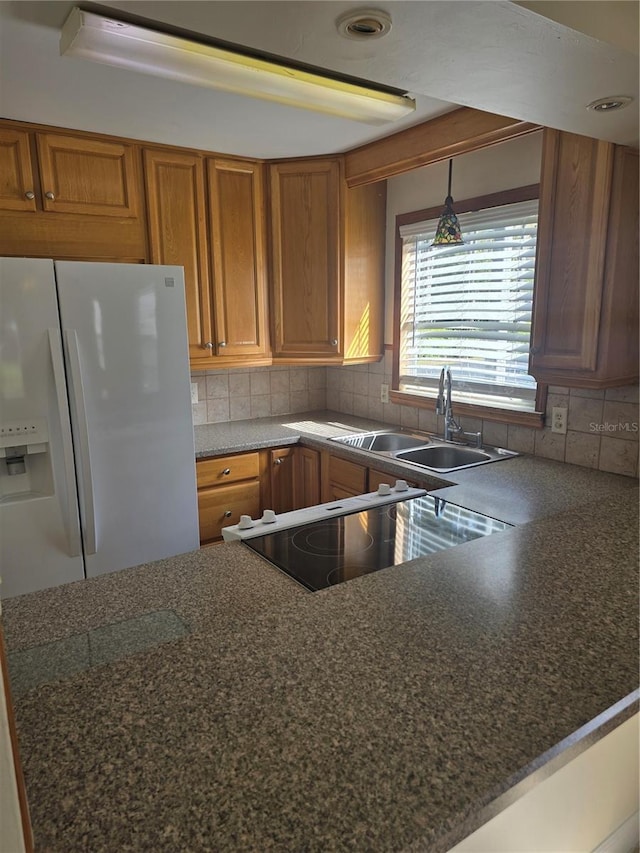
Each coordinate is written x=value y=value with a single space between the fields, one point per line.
x=124 y=331
x=40 y=542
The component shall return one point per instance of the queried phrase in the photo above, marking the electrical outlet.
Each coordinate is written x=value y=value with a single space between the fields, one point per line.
x=559 y=419
x=384 y=393
x=194 y=392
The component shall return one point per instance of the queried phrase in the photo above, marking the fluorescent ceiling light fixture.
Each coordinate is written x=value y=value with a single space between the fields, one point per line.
x=91 y=36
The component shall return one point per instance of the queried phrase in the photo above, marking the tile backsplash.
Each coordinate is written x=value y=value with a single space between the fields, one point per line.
x=602 y=426
x=257 y=392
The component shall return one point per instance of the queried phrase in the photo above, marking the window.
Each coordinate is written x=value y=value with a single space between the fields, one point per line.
x=469 y=306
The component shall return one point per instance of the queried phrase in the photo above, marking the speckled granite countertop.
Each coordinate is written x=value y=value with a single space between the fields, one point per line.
x=514 y=490
x=390 y=713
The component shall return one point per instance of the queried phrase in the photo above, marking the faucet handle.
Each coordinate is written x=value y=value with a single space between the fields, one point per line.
x=476 y=436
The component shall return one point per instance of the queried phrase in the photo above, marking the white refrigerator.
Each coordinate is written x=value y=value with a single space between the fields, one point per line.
x=97 y=461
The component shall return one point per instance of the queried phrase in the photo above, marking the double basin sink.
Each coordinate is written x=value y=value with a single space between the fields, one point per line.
x=425 y=450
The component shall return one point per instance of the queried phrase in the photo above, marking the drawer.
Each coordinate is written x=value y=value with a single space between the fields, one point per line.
x=221 y=506
x=227 y=469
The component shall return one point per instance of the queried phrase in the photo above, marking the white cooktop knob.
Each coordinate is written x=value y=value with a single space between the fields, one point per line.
x=401 y=486
x=268 y=516
x=384 y=489
x=245 y=522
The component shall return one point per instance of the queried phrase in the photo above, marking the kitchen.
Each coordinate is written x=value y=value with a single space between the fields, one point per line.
x=292 y=389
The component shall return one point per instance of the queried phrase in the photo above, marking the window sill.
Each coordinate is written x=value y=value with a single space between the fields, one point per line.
x=534 y=420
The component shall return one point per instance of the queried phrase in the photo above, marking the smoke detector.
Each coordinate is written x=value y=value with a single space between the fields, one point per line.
x=364 y=24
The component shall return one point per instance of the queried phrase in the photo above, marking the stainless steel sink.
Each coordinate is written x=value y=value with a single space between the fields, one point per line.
x=425 y=451
x=384 y=442
x=446 y=457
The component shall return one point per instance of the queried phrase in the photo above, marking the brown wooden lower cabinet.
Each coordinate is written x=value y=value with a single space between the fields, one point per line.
x=307 y=481
x=341 y=478
x=281 y=478
x=282 y=474
x=228 y=487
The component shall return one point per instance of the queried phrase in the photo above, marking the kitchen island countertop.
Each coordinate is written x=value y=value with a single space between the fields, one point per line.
x=384 y=714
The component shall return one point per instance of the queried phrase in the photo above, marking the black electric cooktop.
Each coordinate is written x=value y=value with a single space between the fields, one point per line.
x=322 y=553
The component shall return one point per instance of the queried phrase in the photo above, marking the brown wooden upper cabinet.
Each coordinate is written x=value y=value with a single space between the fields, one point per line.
x=176 y=210
x=327 y=249
x=63 y=195
x=207 y=215
x=585 y=316
x=238 y=259
x=17 y=179
x=76 y=175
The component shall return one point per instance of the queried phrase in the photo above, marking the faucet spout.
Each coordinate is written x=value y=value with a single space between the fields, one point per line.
x=452 y=428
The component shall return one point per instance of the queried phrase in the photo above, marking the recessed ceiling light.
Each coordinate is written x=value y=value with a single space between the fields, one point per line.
x=364 y=24
x=609 y=104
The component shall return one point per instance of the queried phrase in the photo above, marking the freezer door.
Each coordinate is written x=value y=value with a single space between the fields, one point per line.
x=124 y=331
x=39 y=527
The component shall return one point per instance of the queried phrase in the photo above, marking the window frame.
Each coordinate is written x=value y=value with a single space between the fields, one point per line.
x=490 y=413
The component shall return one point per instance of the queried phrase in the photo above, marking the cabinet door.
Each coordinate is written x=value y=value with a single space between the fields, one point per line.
x=88 y=176
x=341 y=478
x=281 y=474
x=305 y=218
x=17 y=188
x=177 y=231
x=307 y=478
x=238 y=255
x=364 y=257
x=575 y=191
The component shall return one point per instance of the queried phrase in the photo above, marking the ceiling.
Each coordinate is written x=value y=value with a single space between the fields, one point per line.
x=537 y=61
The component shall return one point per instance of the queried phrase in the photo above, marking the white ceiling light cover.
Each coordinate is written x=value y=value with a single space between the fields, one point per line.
x=112 y=42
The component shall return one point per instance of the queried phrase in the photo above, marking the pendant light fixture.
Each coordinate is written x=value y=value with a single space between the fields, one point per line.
x=448 y=230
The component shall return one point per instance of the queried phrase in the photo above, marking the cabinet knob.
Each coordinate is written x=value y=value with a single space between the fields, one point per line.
x=334 y=342
x=226 y=471
x=228 y=514
x=277 y=461
x=30 y=195
x=50 y=196
x=208 y=345
x=534 y=350
x=222 y=344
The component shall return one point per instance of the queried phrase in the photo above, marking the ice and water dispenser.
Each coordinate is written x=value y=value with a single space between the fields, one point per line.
x=25 y=466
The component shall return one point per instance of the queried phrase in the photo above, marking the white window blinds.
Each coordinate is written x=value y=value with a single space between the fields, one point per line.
x=469 y=306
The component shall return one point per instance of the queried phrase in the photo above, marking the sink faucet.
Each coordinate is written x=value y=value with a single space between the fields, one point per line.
x=444 y=406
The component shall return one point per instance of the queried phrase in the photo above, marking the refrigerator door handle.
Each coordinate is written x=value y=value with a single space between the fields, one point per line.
x=77 y=398
x=72 y=522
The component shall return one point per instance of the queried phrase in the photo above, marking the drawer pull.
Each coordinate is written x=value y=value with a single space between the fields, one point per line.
x=278 y=461
x=226 y=471
x=228 y=514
